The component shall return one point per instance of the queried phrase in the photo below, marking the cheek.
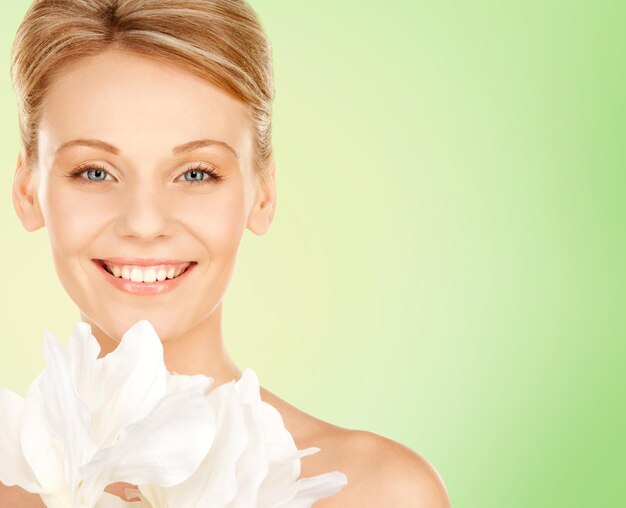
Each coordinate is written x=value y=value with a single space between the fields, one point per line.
x=73 y=219
x=218 y=220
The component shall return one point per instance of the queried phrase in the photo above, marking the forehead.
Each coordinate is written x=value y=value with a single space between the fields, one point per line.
x=134 y=101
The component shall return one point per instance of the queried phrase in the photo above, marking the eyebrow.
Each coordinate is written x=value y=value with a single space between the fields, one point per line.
x=180 y=149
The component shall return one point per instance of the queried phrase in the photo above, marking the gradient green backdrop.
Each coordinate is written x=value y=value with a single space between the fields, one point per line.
x=446 y=263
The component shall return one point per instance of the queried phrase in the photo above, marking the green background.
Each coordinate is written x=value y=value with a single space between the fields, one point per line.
x=446 y=263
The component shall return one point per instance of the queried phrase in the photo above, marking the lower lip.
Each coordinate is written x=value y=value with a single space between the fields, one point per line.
x=144 y=288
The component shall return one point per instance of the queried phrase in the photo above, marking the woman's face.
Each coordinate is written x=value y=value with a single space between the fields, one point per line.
x=124 y=180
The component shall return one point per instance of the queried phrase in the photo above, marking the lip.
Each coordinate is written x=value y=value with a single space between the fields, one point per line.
x=144 y=261
x=144 y=288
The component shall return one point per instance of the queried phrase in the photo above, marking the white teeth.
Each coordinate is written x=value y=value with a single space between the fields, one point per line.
x=136 y=275
x=149 y=275
x=145 y=273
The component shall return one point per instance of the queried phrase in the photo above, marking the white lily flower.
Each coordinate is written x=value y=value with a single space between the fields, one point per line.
x=88 y=422
x=253 y=462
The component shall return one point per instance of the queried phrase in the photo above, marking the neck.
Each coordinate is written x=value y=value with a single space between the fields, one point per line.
x=200 y=350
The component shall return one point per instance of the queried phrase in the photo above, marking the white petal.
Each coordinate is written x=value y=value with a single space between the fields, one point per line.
x=177 y=382
x=108 y=500
x=42 y=450
x=14 y=470
x=132 y=492
x=68 y=416
x=284 y=460
x=248 y=387
x=280 y=484
x=164 y=448
x=83 y=349
x=215 y=481
x=154 y=495
x=252 y=466
x=57 y=499
x=134 y=377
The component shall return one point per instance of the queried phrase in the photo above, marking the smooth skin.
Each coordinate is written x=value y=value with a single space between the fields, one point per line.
x=144 y=203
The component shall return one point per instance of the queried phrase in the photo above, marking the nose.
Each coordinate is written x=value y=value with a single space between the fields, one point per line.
x=144 y=212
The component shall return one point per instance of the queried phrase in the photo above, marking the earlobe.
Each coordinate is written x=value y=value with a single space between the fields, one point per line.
x=25 y=199
x=262 y=214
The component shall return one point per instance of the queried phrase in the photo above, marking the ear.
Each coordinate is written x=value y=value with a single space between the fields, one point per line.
x=262 y=213
x=25 y=199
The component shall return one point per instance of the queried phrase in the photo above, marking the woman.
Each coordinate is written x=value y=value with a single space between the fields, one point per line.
x=146 y=132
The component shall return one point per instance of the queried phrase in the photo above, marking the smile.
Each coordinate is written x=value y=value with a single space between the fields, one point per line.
x=144 y=276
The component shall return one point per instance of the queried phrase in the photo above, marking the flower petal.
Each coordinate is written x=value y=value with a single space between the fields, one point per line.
x=214 y=483
x=310 y=490
x=284 y=460
x=153 y=495
x=252 y=466
x=68 y=416
x=134 y=377
x=164 y=448
x=108 y=500
x=42 y=450
x=159 y=502
x=14 y=470
x=83 y=349
x=177 y=382
x=280 y=484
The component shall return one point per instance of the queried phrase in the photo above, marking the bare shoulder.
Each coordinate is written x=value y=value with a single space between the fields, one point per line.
x=380 y=471
x=402 y=476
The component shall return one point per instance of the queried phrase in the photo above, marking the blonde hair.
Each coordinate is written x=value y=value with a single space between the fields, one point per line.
x=219 y=40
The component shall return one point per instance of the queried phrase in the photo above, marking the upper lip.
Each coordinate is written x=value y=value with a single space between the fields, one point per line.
x=143 y=261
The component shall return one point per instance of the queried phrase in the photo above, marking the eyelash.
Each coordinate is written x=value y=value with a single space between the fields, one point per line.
x=83 y=168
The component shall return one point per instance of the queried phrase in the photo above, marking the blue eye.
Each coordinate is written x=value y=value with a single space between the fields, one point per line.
x=93 y=172
x=197 y=174
x=98 y=174
x=194 y=175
